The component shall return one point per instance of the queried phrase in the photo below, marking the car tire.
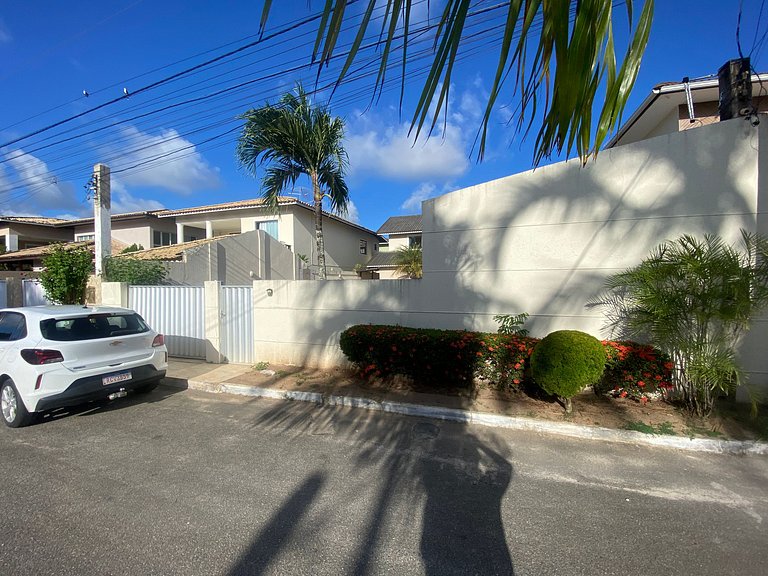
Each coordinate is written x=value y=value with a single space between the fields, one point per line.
x=147 y=388
x=12 y=406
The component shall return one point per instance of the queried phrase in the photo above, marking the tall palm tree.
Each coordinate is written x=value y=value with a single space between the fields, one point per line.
x=556 y=57
x=295 y=138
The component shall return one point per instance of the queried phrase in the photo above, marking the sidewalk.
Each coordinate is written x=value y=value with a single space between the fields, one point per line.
x=297 y=385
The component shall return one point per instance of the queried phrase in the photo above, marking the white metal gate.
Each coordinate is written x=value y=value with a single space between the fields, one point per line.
x=177 y=312
x=32 y=293
x=3 y=294
x=237 y=324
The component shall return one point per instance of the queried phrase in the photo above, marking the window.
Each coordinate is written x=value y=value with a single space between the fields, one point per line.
x=363 y=247
x=84 y=237
x=13 y=326
x=163 y=238
x=414 y=241
x=269 y=226
x=92 y=327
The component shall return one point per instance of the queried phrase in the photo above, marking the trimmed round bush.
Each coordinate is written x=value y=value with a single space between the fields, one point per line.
x=566 y=362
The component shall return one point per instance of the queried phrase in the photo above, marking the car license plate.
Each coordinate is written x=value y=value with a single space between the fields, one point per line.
x=113 y=378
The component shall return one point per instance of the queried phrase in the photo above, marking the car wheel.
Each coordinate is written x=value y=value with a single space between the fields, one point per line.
x=147 y=388
x=14 y=412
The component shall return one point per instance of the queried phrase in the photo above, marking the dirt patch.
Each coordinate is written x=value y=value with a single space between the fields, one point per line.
x=732 y=421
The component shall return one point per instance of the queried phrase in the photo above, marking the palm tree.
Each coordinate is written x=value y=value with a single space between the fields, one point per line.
x=558 y=57
x=295 y=138
x=408 y=261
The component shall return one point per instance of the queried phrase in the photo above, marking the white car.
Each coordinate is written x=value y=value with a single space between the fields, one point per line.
x=56 y=356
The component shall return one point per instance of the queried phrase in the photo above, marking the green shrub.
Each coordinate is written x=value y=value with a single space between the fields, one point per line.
x=636 y=371
x=66 y=273
x=503 y=359
x=566 y=362
x=134 y=271
x=437 y=358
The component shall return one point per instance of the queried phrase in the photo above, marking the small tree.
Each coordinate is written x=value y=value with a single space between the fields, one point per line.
x=134 y=271
x=408 y=261
x=66 y=273
x=694 y=300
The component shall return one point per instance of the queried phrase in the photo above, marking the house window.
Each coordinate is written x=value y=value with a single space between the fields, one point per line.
x=163 y=238
x=84 y=237
x=363 y=247
x=414 y=241
x=269 y=226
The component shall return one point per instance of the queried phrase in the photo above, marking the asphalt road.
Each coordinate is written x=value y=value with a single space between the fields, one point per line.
x=190 y=483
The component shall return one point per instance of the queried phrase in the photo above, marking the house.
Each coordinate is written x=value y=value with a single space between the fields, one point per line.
x=666 y=111
x=22 y=232
x=346 y=244
x=401 y=232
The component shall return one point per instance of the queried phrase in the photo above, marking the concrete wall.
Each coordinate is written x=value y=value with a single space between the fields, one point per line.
x=235 y=260
x=541 y=242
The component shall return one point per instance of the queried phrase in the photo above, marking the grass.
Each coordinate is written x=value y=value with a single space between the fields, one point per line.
x=261 y=366
x=640 y=426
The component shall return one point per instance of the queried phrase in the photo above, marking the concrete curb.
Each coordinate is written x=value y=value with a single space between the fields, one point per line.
x=737 y=447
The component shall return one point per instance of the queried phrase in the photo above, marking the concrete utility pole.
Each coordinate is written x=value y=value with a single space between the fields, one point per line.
x=735 y=82
x=102 y=220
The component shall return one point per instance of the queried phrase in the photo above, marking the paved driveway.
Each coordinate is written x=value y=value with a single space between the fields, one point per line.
x=192 y=483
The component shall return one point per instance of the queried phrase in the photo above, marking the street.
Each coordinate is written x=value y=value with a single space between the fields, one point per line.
x=183 y=482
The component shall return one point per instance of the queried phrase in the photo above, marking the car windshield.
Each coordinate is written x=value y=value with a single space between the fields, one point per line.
x=92 y=327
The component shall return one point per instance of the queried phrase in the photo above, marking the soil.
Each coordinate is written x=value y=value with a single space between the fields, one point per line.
x=731 y=421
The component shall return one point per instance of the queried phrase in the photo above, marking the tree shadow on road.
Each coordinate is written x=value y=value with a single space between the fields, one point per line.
x=439 y=488
x=276 y=533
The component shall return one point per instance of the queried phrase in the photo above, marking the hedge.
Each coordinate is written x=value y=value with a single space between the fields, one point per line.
x=450 y=358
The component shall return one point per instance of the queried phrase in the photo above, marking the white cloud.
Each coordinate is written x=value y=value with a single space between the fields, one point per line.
x=5 y=35
x=391 y=153
x=178 y=170
x=42 y=190
x=353 y=214
x=413 y=203
x=123 y=201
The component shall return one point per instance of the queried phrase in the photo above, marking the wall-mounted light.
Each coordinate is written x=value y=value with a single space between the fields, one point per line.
x=270 y=292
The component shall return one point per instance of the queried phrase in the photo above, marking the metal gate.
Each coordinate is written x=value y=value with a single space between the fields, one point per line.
x=32 y=293
x=177 y=312
x=237 y=324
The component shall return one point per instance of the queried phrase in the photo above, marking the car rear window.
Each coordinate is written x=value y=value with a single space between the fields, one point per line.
x=92 y=327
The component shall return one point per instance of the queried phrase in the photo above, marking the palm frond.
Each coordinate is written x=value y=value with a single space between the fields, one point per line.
x=561 y=66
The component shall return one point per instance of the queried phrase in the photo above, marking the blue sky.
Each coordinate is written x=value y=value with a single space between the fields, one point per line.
x=168 y=153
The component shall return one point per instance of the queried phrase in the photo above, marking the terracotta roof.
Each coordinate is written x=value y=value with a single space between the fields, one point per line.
x=401 y=225
x=35 y=220
x=123 y=216
x=41 y=251
x=172 y=252
x=250 y=203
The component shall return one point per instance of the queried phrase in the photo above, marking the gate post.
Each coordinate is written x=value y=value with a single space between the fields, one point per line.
x=114 y=294
x=212 y=299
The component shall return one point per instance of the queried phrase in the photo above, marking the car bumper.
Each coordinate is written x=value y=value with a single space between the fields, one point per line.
x=92 y=388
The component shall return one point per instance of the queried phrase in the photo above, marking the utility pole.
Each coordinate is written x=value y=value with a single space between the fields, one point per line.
x=102 y=219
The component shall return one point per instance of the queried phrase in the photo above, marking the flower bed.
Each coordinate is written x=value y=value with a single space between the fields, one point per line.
x=450 y=358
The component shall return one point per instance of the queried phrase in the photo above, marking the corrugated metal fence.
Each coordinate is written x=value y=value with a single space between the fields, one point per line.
x=237 y=324
x=175 y=311
x=32 y=293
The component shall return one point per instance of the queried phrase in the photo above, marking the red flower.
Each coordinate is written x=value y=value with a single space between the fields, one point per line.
x=640 y=383
x=669 y=365
x=623 y=394
x=516 y=381
x=517 y=366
